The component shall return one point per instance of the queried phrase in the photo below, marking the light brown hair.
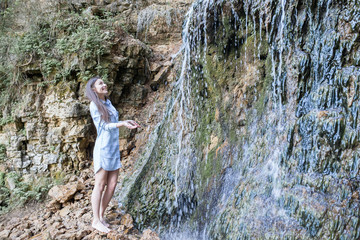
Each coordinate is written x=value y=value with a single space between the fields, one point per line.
x=92 y=95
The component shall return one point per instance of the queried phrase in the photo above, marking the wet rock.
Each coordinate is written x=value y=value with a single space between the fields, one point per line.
x=121 y=61
x=250 y=92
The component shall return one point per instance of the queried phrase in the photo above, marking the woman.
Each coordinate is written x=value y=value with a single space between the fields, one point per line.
x=106 y=151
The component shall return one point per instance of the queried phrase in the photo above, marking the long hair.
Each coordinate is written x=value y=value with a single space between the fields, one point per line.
x=95 y=98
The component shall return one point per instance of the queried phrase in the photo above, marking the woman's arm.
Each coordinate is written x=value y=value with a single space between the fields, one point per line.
x=131 y=124
x=96 y=116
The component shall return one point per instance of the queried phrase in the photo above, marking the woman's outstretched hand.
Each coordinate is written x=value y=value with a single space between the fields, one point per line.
x=131 y=124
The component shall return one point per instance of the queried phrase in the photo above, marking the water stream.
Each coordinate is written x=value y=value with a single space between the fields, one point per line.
x=261 y=130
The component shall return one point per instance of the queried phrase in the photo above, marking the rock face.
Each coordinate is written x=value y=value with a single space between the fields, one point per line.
x=251 y=133
x=261 y=136
x=54 y=125
x=52 y=129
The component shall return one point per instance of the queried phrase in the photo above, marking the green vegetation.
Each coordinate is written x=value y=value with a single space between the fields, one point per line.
x=15 y=191
x=47 y=46
x=2 y=154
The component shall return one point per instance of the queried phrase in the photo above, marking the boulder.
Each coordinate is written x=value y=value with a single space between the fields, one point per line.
x=63 y=193
x=149 y=235
x=127 y=221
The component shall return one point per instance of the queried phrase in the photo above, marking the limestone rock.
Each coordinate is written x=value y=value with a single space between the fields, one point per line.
x=10 y=183
x=127 y=221
x=5 y=234
x=149 y=235
x=53 y=205
x=116 y=236
x=65 y=211
x=64 y=193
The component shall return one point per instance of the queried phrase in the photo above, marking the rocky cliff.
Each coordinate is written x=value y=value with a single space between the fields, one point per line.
x=48 y=125
x=260 y=137
x=251 y=131
x=48 y=51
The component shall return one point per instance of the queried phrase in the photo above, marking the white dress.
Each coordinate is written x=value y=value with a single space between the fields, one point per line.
x=106 y=152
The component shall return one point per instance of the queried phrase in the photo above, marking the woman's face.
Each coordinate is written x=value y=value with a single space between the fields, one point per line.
x=100 y=87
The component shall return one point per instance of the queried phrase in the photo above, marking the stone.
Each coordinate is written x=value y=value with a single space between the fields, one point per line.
x=213 y=142
x=124 y=133
x=53 y=205
x=123 y=145
x=15 y=234
x=127 y=221
x=132 y=237
x=120 y=60
x=5 y=233
x=63 y=193
x=47 y=215
x=121 y=228
x=116 y=236
x=149 y=235
x=82 y=233
x=65 y=211
x=36 y=237
x=68 y=235
x=79 y=212
x=10 y=183
x=155 y=66
x=161 y=75
x=78 y=196
x=26 y=234
x=3 y=168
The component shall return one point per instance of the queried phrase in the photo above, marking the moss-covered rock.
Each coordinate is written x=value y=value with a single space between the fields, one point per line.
x=261 y=132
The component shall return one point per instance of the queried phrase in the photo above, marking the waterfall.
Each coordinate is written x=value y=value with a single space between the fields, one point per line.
x=255 y=149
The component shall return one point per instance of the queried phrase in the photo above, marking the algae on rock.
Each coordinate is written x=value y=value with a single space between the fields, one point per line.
x=261 y=136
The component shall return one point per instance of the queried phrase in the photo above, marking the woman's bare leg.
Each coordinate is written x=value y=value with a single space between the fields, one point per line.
x=100 y=181
x=112 y=178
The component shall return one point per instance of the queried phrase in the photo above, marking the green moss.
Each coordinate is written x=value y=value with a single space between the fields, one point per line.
x=218 y=71
x=2 y=154
x=212 y=166
x=265 y=86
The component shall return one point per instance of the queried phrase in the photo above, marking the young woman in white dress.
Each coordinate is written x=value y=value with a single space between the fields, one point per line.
x=106 y=152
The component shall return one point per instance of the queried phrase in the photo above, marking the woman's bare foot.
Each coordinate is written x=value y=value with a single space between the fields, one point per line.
x=102 y=220
x=100 y=227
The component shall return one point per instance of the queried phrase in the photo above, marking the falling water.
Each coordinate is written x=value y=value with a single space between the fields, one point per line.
x=327 y=8
x=246 y=26
x=281 y=36
x=181 y=97
x=221 y=178
x=260 y=30
x=255 y=38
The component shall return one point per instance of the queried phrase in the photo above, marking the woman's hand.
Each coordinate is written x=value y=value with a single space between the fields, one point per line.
x=131 y=124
